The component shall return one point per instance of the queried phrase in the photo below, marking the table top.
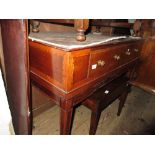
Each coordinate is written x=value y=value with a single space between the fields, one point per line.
x=67 y=41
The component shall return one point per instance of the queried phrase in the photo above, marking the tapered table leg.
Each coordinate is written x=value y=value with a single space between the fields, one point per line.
x=122 y=102
x=65 y=121
x=66 y=113
x=95 y=116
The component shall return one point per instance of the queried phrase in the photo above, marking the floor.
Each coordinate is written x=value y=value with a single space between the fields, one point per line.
x=137 y=117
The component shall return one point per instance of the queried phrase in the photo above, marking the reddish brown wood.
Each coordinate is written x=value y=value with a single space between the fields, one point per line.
x=74 y=66
x=146 y=73
x=66 y=111
x=69 y=80
x=16 y=59
x=43 y=58
x=95 y=22
x=145 y=28
x=55 y=71
x=80 y=62
x=81 y=25
x=117 y=27
x=58 y=21
x=65 y=121
x=101 y=22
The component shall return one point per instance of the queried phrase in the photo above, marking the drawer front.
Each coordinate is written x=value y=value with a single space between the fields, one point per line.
x=100 y=63
x=105 y=60
x=136 y=49
x=130 y=52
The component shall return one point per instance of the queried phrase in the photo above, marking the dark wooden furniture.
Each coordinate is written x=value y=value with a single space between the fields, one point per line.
x=121 y=27
x=69 y=77
x=101 y=99
x=145 y=70
x=16 y=62
x=81 y=25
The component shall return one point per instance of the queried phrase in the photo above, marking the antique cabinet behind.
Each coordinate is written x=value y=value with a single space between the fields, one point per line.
x=145 y=72
x=16 y=63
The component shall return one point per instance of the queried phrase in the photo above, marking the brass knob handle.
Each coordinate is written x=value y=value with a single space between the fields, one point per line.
x=136 y=50
x=117 y=57
x=101 y=63
x=128 y=53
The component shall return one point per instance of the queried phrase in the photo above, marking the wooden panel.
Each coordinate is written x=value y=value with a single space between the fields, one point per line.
x=73 y=69
x=16 y=59
x=112 y=58
x=77 y=68
x=80 y=68
x=96 y=56
x=2 y=65
x=130 y=52
x=146 y=72
x=48 y=62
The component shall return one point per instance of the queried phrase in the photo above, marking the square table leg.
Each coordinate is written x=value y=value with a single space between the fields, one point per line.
x=66 y=114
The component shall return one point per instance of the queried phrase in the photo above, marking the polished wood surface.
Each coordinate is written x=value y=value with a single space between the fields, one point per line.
x=69 y=77
x=16 y=59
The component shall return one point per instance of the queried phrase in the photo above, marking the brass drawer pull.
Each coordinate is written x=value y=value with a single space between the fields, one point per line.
x=128 y=53
x=117 y=57
x=101 y=63
x=136 y=50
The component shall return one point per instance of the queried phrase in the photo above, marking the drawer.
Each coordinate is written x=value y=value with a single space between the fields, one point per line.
x=136 y=49
x=129 y=53
x=100 y=62
x=103 y=61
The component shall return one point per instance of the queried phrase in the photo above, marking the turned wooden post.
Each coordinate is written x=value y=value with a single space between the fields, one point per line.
x=35 y=25
x=137 y=28
x=81 y=25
